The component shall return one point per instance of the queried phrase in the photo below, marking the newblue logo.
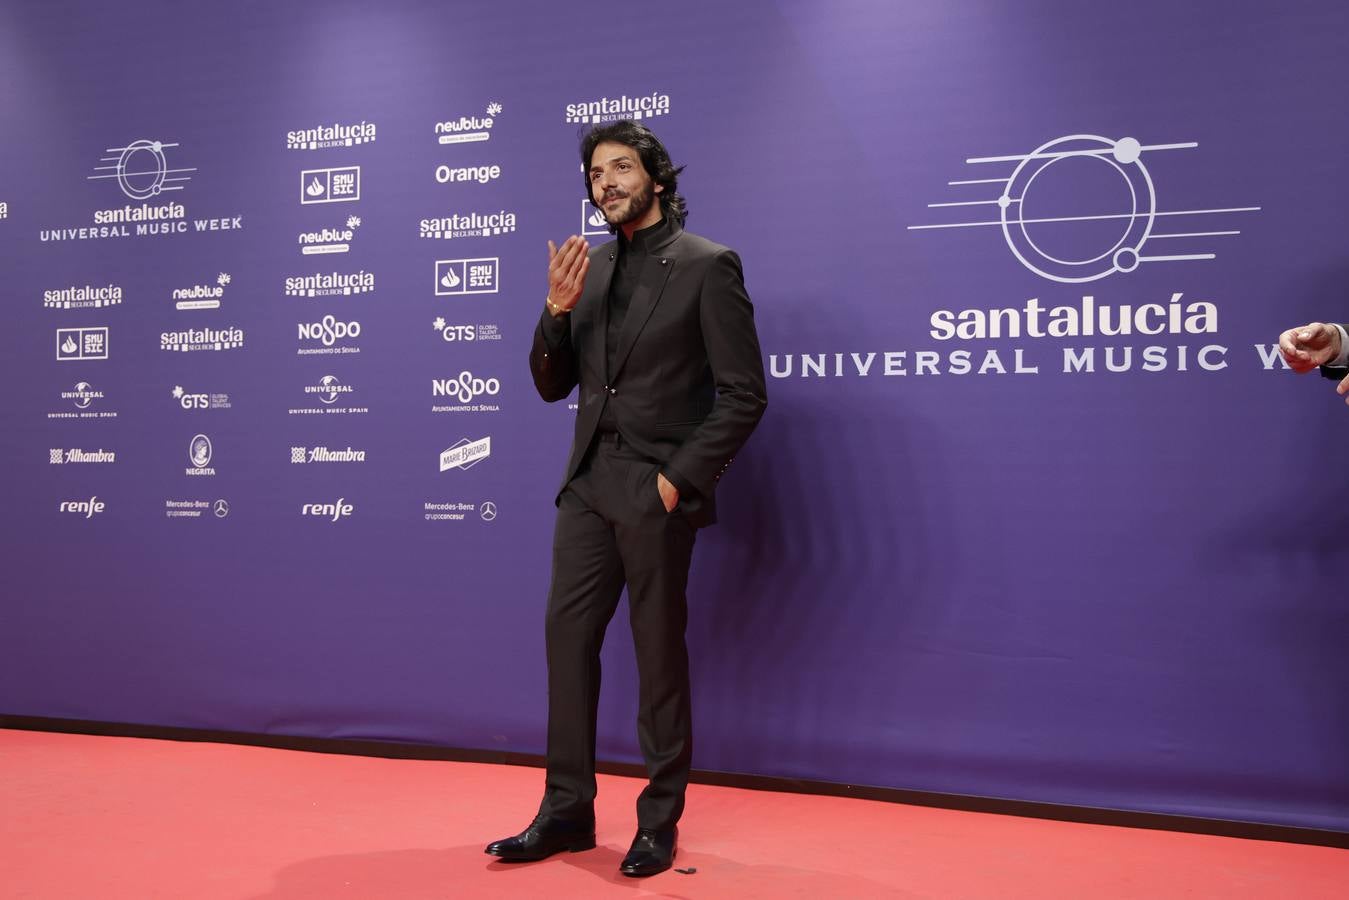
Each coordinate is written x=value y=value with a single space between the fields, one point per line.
x=468 y=129
x=329 y=240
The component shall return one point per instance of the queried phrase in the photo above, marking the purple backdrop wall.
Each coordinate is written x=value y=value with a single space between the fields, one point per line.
x=977 y=546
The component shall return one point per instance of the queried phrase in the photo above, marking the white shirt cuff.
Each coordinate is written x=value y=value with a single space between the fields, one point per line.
x=1342 y=360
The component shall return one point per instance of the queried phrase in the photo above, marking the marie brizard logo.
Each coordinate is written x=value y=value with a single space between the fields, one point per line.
x=465 y=454
x=1082 y=207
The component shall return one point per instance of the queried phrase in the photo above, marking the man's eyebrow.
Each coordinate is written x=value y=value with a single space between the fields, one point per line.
x=613 y=159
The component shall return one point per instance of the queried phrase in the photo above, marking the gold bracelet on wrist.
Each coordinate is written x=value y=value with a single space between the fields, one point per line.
x=553 y=307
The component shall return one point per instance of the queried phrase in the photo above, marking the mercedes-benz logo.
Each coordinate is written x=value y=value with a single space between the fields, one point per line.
x=222 y=509
x=488 y=510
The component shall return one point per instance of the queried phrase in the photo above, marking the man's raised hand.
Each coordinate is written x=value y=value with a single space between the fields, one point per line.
x=567 y=267
x=1308 y=346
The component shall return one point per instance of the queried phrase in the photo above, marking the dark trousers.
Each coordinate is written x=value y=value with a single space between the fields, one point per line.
x=612 y=529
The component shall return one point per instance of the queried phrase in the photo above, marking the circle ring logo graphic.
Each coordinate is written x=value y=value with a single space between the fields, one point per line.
x=137 y=150
x=488 y=511
x=1126 y=158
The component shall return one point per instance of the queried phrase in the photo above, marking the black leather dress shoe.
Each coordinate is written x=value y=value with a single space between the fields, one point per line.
x=544 y=837
x=652 y=851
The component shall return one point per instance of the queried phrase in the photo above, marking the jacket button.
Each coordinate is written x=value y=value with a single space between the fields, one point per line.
x=611 y=256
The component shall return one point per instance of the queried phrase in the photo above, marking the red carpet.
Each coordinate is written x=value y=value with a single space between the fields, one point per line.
x=111 y=818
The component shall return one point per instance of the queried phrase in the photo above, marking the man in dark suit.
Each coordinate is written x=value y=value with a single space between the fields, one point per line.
x=657 y=330
x=1319 y=345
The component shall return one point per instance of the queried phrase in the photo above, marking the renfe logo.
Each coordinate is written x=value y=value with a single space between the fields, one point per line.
x=87 y=508
x=331 y=511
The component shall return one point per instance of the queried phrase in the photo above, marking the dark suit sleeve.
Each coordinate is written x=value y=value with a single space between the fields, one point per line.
x=1336 y=372
x=727 y=320
x=552 y=359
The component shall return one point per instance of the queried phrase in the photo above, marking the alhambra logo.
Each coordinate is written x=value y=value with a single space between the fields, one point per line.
x=322 y=137
x=611 y=109
x=1082 y=207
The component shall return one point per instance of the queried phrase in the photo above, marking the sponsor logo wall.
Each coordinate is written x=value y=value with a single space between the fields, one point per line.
x=1017 y=318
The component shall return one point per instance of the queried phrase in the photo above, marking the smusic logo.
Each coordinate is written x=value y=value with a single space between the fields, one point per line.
x=455 y=277
x=323 y=137
x=82 y=343
x=339 y=185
